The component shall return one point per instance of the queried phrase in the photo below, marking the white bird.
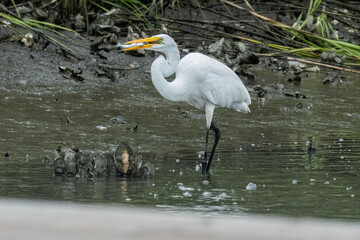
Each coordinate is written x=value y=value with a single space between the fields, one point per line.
x=201 y=81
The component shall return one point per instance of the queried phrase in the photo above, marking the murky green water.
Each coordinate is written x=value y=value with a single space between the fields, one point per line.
x=267 y=147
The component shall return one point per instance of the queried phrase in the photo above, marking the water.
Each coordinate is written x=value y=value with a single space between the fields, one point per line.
x=268 y=147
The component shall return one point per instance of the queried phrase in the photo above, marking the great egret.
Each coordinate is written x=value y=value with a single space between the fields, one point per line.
x=201 y=81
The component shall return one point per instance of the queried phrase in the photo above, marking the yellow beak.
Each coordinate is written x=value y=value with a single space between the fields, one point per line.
x=142 y=43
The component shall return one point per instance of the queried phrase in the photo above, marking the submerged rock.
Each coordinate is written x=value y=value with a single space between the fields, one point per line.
x=70 y=163
x=100 y=163
x=111 y=167
x=84 y=165
x=147 y=170
x=130 y=166
x=59 y=164
x=296 y=95
x=122 y=157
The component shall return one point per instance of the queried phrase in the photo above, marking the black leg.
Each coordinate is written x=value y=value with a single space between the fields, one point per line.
x=204 y=162
x=217 y=138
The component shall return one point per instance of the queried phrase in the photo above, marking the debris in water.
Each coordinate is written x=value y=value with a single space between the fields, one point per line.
x=185 y=114
x=297 y=95
x=311 y=148
x=182 y=188
x=334 y=80
x=187 y=194
x=117 y=120
x=197 y=167
x=207 y=194
x=101 y=128
x=222 y=196
x=205 y=182
x=251 y=186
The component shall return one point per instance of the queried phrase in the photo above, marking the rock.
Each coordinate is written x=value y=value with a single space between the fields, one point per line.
x=59 y=164
x=134 y=167
x=296 y=64
x=41 y=13
x=70 y=163
x=313 y=69
x=79 y=22
x=111 y=167
x=147 y=171
x=64 y=150
x=84 y=165
x=332 y=57
x=241 y=47
x=122 y=157
x=100 y=165
x=24 y=10
x=104 y=24
x=215 y=48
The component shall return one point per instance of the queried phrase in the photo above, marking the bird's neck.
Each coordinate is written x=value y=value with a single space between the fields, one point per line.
x=172 y=58
x=162 y=68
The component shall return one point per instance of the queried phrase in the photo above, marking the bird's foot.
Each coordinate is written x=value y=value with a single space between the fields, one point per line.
x=205 y=178
x=203 y=166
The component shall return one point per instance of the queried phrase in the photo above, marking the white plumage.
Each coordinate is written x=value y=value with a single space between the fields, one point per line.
x=201 y=81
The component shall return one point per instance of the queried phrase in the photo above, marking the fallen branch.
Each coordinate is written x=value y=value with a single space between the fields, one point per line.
x=190 y=22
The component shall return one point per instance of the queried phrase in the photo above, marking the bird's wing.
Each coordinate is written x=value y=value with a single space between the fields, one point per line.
x=224 y=88
x=213 y=81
